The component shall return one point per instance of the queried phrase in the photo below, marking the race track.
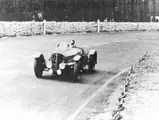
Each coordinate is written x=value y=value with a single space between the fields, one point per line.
x=23 y=96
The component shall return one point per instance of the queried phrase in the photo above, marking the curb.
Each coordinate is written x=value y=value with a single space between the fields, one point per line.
x=75 y=114
x=121 y=100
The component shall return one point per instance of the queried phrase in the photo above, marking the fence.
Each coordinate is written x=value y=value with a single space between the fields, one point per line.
x=46 y=27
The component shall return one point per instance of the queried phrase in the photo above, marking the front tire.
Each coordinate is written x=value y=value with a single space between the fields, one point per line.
x=91 y=65
x=75 y=76
x=37 y=68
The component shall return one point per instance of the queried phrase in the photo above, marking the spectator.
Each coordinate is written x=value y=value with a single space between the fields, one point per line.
x=106 y=20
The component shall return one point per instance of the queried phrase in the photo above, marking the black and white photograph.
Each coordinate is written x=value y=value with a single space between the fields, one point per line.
x=79 y=59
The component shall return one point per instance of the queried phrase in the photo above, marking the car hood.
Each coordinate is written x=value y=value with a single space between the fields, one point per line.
x=69 y=51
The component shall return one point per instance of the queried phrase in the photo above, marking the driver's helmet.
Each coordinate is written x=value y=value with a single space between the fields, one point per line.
x=72 y=43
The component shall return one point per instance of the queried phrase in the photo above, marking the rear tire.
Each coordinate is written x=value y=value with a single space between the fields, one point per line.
x=37 y=68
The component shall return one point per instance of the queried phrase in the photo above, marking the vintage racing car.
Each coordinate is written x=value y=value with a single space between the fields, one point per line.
x=66 y=60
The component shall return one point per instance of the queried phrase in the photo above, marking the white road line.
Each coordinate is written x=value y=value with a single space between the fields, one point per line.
x=74 y=115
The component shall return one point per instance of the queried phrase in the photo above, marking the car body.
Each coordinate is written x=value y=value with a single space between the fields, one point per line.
x=66 y=60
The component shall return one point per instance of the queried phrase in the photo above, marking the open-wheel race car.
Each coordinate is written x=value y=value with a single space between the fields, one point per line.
x=66 y=60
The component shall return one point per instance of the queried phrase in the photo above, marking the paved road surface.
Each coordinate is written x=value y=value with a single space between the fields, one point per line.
x=23 y=96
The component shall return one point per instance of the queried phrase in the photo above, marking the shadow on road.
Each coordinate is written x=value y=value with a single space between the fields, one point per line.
x=54 y=77
x=96 y=77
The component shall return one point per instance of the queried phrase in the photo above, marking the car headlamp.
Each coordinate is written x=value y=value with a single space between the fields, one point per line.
x=59 y=72
x=62 y=66
x=77 y=57
x=48 y=64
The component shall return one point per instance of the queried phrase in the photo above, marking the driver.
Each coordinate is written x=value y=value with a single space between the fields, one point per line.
x=72 y=44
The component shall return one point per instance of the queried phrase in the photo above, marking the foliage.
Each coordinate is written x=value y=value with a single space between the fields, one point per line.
x=74 y=10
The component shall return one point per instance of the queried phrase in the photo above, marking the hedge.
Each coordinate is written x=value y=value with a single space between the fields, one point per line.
x=35 y=28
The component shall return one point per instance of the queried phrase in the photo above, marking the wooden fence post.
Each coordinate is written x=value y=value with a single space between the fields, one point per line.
x=98 y=24
x=44 y=26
